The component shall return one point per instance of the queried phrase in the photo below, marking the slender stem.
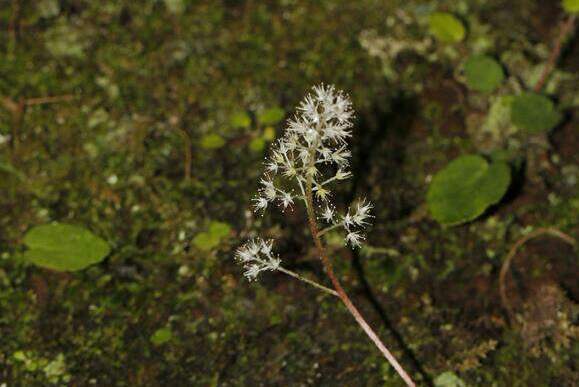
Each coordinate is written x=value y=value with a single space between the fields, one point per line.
x=301 y=187
x=51 y=99
x=328 y=229
x=342 y=293
x=308 y=281
x=188 y=156
x=12 y=28
x=17 y=123
x=511 y=255
x=566 y=29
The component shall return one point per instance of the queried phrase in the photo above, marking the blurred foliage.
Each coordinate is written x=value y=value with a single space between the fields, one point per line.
x=571 y=6
x=483 y=73
x=105 y=106
x=534 y=112
x=446 y=27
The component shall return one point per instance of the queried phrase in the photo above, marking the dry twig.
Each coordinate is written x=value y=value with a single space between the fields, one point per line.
x=567 y=28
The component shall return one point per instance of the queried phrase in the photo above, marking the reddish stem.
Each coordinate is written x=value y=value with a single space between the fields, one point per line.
x=342 y=293
x=566 y=29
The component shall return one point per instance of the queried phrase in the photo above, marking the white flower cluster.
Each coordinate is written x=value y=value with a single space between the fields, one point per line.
x=257 y=256
x=354 y=222
x=314 y=151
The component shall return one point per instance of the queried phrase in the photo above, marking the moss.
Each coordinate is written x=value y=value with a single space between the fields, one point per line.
x=147 y=85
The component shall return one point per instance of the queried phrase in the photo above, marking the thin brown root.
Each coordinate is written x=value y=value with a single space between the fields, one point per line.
x=512 y=253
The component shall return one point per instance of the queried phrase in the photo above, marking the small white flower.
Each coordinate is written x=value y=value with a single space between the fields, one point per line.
x=341 y=156
x=324 y=94
x=254 y=246
x=309 y=108
x=297 y=126
x=321 y=192
x=256 y=256
x=348 y=221
x=286 y=199
x=272 y=166
x=290 y=171
x=343 y=175
x=354 y=238
x=268 y=189
x=326 y=153
x=260 y=203
x=266 y=246
x=338 y=132
x=304 y=156
x=328 y=214
x=277 y=157
x=251 y=272
x=362 y=212
x=312 y=171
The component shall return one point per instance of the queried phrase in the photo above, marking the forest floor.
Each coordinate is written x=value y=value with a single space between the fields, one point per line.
x=130 y=119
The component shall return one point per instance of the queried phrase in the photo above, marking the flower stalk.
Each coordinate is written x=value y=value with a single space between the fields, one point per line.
x=344 y=296
x=312 y=154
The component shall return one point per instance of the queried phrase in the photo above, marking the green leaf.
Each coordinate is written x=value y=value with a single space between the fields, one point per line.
x=571 y=6
x=240 y=120
x=448 y=379
x=271 y=116
x=257 y=144
x=64 y=247
x=446 y=27
x=219 y=229
x=483 y=73
x=161 y=336
x=534 y=112
x=207 y=241
x=465 y=188
x=269 y=134
x=212 y=141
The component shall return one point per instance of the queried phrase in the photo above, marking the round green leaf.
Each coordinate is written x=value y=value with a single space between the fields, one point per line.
x=161 y=336
x=465 y=188
x=446 y=27
x=240 y=120
x=271 y=116
x=206 y=241
x=212 y=141
x=64 y=247
x=210 y=239
x=219 y=229
x=534 y=112
x=571 y=6
x=257 y=144
x=269 y=134
x=483 y=73
x=448 y=379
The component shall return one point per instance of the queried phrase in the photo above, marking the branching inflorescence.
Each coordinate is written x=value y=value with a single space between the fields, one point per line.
x=314 y=149
x=311 y=156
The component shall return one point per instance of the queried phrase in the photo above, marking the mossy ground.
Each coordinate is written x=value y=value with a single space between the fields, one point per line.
x=143 y=82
